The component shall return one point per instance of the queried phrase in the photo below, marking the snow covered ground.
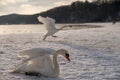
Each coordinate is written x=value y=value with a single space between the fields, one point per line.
x=94 y=53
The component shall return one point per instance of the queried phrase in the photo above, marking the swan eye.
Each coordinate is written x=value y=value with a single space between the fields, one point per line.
x=66 y=54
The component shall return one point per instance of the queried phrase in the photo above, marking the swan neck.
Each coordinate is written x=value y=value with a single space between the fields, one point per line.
x=55 y=62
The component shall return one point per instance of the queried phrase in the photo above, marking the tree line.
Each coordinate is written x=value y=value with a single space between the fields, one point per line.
x=76 y=12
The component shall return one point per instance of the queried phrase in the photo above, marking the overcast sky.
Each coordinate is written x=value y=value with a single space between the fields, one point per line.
x=30 y=6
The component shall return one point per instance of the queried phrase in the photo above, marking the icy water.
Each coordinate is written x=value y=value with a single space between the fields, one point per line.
x=94 y=52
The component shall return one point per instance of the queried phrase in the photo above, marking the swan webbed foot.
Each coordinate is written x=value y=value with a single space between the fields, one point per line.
x=54 y=36
x=32 y=73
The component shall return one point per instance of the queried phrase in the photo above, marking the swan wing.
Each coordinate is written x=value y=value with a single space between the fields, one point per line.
x=42 y=65
x=38 y=64
x=48 y=22
x=36 y=52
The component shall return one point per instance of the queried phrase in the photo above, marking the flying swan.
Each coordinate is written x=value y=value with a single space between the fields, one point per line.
x=50 y=26
x=40 y=61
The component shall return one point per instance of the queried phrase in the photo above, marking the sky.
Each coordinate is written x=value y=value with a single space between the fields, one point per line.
x=30 y=6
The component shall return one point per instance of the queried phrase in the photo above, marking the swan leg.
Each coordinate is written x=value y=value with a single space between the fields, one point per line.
x=45 y=37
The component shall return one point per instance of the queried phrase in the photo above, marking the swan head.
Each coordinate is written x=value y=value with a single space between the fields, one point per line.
x=64 y=53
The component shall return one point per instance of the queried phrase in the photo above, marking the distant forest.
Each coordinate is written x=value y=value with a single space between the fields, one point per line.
x=77 y=12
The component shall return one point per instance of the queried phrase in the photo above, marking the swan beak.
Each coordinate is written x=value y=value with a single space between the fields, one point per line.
x=68 y=58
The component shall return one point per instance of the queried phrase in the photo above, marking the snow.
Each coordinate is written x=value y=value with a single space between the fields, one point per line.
x=94 y=52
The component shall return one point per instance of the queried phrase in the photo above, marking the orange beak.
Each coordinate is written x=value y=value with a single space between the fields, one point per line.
x=67 y=57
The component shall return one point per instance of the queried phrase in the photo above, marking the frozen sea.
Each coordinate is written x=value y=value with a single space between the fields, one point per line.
x=94 y=51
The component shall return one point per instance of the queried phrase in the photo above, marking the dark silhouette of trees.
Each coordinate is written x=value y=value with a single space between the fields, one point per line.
x=96 y=11
x=77 y=12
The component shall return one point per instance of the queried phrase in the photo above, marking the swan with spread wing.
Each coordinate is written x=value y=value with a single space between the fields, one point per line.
x=49 y=23
x=39 y=61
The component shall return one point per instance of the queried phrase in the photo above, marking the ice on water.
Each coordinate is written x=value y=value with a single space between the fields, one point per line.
x=95 y=52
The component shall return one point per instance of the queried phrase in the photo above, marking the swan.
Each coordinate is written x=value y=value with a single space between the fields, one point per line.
x=42 y=61
x=50 y=26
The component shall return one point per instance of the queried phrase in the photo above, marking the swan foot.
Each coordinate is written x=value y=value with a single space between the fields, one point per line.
x=54 y=36
x=32 y=73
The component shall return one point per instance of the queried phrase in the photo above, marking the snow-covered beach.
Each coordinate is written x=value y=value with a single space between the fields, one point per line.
x=94 y=52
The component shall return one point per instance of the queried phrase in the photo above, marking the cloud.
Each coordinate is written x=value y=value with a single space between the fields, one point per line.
x=29 y=6
x=31 y=9
x=5 y=2
x=24 y=6
x=64 y=2
x=8 y=2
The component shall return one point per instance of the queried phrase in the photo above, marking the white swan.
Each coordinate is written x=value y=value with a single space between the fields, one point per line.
x=50 y=26
x=39 y=61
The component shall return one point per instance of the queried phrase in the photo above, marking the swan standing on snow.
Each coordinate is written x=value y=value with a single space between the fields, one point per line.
x=39 y=61
x=50 y=26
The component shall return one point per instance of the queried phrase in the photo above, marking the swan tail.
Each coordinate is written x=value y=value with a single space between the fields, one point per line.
x=13 y=71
